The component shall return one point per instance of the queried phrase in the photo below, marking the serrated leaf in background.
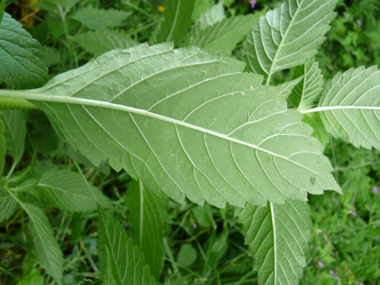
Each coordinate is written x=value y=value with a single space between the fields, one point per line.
x=315 y=121
x=285 y=89
x=200 y=7
x=119 y=256
x=177 y=21
x=3 y=150
x=236 y=140
x=210 y=17
x=98 y=19
x=8 y=205
x=148 y=218
x=278 y=237
x=305 y=94
x=99 y=42
x=48 y=251
x=55 y=6
x=71 y=192
x=288 y=35
x=15 y=131
x=349 y=107
x=224 y=35
x=21 y=60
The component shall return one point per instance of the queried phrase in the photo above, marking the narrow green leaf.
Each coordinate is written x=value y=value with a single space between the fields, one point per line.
x=99 y=42
x=8 y=205
x=15 y=132
x=33 y=278
x=177 y=20
x=288 y=35
x=349 y=107
x=306 y=92
x=2 y=8
x=48 y=251
x=127 y=262
x=3 y=149
x=55 y=6
x=287 y=87
x=214 y=134
x=224 y=35
x=98 y=19
x=278 y=237
x=71 y=192
x=15 y=103
x=148 y=217
x=21 y=59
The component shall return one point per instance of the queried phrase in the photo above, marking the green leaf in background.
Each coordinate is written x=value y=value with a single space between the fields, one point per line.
x=278 y=237
x=15 y=131
x=101 y=41
x=98 y=19
x=71 y=191
x=214 y=134
x=315 y=121
x=210 y=17
x=119 y=256
x=305 y=94
x=56 y=7
x=148 y=217
x=224 y=35
x=8 y=205
x=48 y=251
x=288 y=35
x=33 y=278
x=3 y=150
x=200 y=7
x=187 y=255
x=2 y=7
x=349 y=107
x=21 y=59
x=177 y=20
x=287 y=87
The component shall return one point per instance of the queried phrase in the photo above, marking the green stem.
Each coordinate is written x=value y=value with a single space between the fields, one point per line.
x=14 y=103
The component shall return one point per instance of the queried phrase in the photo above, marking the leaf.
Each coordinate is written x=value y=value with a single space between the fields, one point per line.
x=8 y=205
x=33 y=278
x=97 y=19
x=71 y=192
x=15 y=131
x=349 y=107
x=177 y=20
x=21 y=59
x=306 y=92
x=211 y=16
x=48 y=251
x=55 y=6
x=187 y=255
x=224 y=35
x=214 y=134
x=288 y=35
x=278 y=237
x=99 y=42
x=285 y=89
x=147 y=218
x=127 y=263
x=2 y=7
x=3 y=150
x=315 y=121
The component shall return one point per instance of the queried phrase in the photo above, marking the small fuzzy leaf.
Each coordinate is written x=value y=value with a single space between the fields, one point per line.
x=278 y=237
x=21 y=60
x=147 y=217
x=119 y=256
x=101 y=41
x=71 y=192
x=15 y=132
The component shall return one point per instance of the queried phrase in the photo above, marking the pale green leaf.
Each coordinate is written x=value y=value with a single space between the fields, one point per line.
x=288 y=35
x=349 y=107
x=315 y=121
x=7 y=205
x=33 y=278
x=200 y=7
x=177 y=20
x=306 y=92
x=15 y=131
x=224 y=35
x=147 y=218
x=48 y=251
x=101 y=41
x=97 y=19
x=21 y=59
x=278 y=237
x=55 y=6
x=71 y=192
x=287 y=87
x=3 y=149
x=127 y=262
x=211 y=16
x=187 y=255
x=214 y=134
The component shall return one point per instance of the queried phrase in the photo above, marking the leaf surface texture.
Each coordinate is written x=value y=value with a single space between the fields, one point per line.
x=15 y=132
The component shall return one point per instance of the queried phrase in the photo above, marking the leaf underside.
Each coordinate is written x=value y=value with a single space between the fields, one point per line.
x=21 y=59
x=15 y=132
x=214 y=134
x=278 y=237
x=351 y=104
x=119 y=256
x=288 y=35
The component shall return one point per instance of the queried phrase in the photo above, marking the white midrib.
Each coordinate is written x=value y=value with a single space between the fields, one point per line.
x=112 y=106
x=274 y=240
x=331 y=108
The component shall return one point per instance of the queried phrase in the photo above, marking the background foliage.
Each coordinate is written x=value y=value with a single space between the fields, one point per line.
x=201 y=245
